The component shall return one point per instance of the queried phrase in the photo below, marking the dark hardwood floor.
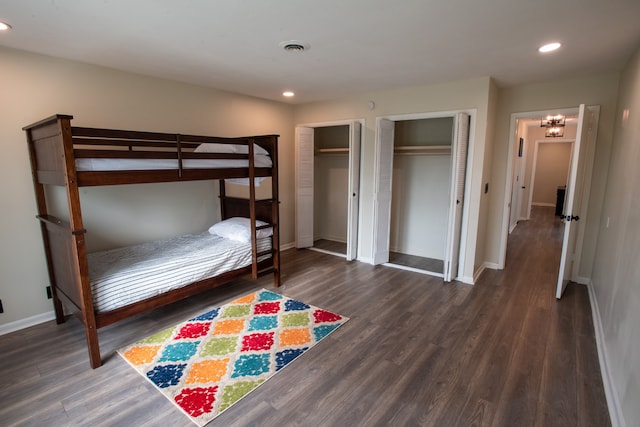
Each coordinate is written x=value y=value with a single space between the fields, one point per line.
x=418 y=262
x=400 y=259
x=416 y=351
x=338 y=248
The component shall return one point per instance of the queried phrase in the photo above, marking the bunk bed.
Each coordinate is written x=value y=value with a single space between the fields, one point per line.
x=72 y=157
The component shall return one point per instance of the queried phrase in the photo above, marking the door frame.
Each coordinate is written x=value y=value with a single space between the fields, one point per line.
x=534 y=164
x=467 y=188
x=359 y=195
x=509 y=181
x=519 y=166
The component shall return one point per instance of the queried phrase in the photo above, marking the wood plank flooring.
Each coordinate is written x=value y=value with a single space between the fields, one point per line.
x=416 y=351
x=413 y=261
x=331 y=246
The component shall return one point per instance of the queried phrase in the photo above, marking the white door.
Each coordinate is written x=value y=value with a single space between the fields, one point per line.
x=518 y=184
x=459 y=149
x=304 y=187
x=573 y=209
x=354 y=189
x=382 y=192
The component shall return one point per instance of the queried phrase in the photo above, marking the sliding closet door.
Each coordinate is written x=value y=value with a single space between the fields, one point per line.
x=382 y=202
x=459 y=151
x=354 y=190
x=304 y=187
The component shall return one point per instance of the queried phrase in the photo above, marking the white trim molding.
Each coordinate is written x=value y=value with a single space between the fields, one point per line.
x=613 y=402
x=26 y=323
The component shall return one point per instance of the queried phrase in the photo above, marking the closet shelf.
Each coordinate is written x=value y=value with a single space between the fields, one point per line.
x=422 y=150
x=340 y=150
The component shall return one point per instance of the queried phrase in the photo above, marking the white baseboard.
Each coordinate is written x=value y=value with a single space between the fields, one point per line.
x=324 y=251
x=615 y=410
x=492 y=265
x=466 y=279
x=339 y=239
x=543 y=204
x=582 y=280
x=25 y=323
x=415 y=270
x=287 y=246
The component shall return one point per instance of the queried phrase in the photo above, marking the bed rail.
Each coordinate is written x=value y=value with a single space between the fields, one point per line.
x=55 y=145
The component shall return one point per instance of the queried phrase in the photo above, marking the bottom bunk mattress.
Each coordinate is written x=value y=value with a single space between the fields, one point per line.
x=127 y=275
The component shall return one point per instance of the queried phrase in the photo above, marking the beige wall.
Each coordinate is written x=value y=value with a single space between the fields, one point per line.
x=485 y=180
x=34 y=87
x=616 y=271
x=420 y=205
x=552 y=169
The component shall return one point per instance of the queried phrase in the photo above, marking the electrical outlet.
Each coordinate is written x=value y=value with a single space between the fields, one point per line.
x=1 y=308
x=49 y=296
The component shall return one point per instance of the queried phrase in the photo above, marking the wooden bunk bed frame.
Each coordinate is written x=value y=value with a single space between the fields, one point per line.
x=54 y=145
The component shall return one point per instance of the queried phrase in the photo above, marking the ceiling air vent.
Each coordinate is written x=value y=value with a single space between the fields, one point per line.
x=294 y=46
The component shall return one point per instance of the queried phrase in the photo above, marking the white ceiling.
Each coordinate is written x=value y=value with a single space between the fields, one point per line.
x=355 y=45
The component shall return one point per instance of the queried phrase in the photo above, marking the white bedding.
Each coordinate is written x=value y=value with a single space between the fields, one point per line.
x=126 y=275
x=106 y=164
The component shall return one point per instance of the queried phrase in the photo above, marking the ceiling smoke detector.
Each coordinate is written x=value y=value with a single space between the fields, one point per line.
x=294 y=46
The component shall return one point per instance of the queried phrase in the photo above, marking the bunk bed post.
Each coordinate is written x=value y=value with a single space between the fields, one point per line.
x=78 y=237
x=275 y=213
x=252 y=209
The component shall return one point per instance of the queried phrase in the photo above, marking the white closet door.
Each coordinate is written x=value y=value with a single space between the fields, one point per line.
x=382 y=196
x=459 y=149
x=304 y=187
x=354 y=190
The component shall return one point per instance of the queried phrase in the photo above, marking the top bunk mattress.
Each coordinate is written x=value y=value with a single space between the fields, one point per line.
x=111 y=164
x=126 y=275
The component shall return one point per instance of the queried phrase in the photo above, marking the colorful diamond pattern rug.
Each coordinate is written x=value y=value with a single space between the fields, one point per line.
x=208 y=363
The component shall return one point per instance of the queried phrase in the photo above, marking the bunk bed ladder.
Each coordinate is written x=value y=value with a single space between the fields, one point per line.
x=274 y=252
x=64 y=242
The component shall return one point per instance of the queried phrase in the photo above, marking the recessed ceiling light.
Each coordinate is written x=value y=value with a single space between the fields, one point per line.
x=288 y=94
x=549 y=47
x=4 y=26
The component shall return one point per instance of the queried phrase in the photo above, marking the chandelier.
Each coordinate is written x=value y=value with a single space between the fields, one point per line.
x=554 y=125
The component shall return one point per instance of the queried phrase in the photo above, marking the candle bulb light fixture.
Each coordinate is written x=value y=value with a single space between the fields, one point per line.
x=554 y=125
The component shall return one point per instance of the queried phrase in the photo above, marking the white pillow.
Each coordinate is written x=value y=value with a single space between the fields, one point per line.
x=239 y=229
x=210 y=147
x=244 y=149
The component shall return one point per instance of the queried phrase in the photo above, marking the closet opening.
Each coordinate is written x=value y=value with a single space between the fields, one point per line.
x=420 y=193
x=327 y=187
x=420 y=190
x=331 y=190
